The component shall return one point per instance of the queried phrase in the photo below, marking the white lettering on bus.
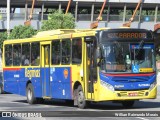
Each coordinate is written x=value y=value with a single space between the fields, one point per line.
x=32 y=73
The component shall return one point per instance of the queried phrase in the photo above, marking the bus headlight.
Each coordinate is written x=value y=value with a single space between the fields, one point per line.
x=108 y=86
x=152 y=86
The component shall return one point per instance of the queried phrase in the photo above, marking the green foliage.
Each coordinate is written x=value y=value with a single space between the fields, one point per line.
x=52 y=10
x=21 y=31
x=148 y=12
x=84 y=11
x=3 y=36
x=58 y=20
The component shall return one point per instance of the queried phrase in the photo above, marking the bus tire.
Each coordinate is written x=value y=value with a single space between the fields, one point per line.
x=82 y=103
x=30 y=94
x=128 y=104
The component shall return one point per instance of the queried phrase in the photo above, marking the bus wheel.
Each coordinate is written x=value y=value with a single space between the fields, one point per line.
x=128 y=104
x=30 y=94
x=81 y=98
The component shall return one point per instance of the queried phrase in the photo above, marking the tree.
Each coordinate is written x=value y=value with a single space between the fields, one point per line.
x=58 y=20
x=3 y=36
x=20 y=32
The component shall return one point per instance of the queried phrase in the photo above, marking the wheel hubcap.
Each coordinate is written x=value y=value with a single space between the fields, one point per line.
x=80 y=97
x=29 y=94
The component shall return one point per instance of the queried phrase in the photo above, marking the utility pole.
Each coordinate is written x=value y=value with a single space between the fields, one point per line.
x=8 y=17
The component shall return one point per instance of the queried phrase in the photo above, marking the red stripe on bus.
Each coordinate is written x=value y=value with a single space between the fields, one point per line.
x=11 y=69
x=119 y=75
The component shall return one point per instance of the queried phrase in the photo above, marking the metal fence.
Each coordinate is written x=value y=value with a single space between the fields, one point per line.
x=82 y=17
x=21 y=16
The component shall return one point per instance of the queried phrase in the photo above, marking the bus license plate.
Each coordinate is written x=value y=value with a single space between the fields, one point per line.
x=133 y=94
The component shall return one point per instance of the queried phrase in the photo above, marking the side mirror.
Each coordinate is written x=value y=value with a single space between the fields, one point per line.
x=157 y=28
x=98 y=53
x=98 y=56
x=89 y=39
x=157 y=34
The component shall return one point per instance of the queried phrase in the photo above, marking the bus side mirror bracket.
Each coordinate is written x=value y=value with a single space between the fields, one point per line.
x=157 y=28
x=89 y=39
x=98 y=56
x=98 y=53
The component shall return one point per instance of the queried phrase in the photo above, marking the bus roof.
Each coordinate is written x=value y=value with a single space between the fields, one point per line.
x=62 y=34
x=56 y=34
x=52 y=34
x=65 y=31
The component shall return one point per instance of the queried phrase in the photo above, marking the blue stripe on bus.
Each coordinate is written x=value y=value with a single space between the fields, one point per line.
x=129 y=82
x=57 y=84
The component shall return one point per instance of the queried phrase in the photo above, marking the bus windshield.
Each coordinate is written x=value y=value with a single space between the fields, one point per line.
x=128 y=57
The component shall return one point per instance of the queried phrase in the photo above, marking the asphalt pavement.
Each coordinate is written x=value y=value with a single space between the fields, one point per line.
x=60 y=110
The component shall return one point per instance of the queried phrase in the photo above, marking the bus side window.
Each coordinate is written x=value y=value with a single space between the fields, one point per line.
x=8 y=55
x=25 y=54
x=76 y=51
x=55 y=52
x=66 y=51
x=35 y=54
x=16 y=55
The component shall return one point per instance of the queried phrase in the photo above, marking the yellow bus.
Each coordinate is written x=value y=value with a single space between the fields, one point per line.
x=82 y=66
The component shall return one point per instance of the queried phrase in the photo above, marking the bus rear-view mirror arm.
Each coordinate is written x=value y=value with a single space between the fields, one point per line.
x=99 y=56
x=157 y=28
x=98 y=53
x=89 y=39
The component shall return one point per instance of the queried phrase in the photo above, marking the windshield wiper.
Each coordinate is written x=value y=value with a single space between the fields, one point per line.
x=140 y=47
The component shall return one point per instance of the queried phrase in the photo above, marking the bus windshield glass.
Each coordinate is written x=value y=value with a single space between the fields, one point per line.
x=127 y=57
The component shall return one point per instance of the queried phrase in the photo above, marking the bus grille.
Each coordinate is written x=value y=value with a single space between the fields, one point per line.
x=132 y=94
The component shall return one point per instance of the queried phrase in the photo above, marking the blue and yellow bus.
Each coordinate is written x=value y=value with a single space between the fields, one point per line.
x=82 y=65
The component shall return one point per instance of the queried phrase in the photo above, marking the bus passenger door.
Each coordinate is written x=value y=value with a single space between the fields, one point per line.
x=45 y=69
x=88 y=71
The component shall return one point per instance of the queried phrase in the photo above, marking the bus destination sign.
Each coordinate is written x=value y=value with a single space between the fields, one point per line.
x=127 y=35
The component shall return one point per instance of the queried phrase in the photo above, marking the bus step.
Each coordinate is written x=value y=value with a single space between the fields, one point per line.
x=90 y=99
x=46 y=97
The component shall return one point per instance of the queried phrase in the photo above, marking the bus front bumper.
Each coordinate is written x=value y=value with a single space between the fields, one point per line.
x=108 y=95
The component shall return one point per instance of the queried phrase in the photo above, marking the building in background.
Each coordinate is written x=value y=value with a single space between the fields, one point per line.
x=36 y=10
x=116 y=12
x=3 y=10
